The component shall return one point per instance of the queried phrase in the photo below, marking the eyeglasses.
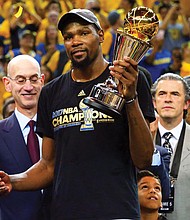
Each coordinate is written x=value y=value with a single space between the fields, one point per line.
x=21 y=80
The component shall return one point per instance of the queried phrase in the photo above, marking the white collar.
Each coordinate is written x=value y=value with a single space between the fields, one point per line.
x=23 y=119
x=175 y=131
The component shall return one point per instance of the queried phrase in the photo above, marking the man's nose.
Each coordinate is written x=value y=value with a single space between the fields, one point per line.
x=28 y=84
x=76 y=39
x=168 y=97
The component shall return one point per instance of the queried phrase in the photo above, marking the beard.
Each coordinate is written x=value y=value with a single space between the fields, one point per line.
x=84 y=62
x=81 y=64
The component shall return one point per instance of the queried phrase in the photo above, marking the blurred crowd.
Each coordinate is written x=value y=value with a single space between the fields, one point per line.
x=30 y=27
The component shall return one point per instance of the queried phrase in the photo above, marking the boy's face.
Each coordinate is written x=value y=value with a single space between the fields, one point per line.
x=149 y=193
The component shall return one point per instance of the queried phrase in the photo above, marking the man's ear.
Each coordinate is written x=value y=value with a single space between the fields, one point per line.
x=42 y=78
x=187 y=105
x=101 y=35
x=7 y=84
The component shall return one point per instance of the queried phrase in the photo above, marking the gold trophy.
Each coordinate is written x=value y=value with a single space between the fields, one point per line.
x=140 y=26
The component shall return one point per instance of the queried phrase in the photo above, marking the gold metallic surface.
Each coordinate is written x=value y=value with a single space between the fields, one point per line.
x=140 y=26
x=141 y=22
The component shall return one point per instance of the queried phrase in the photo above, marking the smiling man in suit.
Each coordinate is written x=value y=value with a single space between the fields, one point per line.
x=25 y=82
x=171 y=98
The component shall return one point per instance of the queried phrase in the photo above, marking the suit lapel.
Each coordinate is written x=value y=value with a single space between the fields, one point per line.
x=16 y=143
x=186 y=144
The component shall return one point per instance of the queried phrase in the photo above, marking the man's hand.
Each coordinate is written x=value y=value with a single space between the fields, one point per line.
x=125 y=71
x=5 y=183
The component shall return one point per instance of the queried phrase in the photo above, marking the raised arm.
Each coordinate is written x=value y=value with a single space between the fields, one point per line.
x=141 y=142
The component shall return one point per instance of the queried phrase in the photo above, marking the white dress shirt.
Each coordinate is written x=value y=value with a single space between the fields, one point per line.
x=176 y=134
x=23 y=122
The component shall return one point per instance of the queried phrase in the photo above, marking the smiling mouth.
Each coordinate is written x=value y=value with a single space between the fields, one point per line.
x=27 y=95
x=153 y=198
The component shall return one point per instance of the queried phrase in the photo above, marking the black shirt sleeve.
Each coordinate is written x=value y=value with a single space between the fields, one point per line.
x=145 y=97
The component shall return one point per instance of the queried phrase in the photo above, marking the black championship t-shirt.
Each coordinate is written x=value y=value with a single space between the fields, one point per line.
x=94 y=174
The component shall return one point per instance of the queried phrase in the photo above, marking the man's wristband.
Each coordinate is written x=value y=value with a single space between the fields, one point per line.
x=130 y=100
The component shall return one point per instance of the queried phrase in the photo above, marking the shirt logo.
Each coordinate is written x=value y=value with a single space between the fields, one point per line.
x=81 y=93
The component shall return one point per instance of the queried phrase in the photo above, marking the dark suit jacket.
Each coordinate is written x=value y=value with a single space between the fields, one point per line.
x=162 y=171
x=14 y=158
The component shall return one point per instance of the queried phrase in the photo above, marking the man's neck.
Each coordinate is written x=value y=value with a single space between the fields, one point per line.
x=90 y=72
x=169 y=124
x=30 y=113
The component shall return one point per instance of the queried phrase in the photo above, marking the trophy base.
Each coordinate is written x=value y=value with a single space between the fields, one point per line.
x=106 y=100
x=100 y=106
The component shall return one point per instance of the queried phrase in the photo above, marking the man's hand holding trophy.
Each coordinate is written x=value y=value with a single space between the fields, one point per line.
x=140 y=26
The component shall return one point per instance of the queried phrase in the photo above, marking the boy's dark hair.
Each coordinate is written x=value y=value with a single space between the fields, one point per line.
x=144 y=173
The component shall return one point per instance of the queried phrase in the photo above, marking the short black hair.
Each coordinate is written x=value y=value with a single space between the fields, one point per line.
x=143 y=173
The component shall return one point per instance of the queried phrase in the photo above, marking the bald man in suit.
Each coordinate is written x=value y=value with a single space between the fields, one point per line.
x=25 y=82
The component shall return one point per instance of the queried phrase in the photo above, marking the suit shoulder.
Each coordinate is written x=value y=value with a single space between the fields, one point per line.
x=187 y=127
x=3 y=122
x=8 y=123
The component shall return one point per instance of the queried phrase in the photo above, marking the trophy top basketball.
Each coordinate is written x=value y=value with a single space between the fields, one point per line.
x=140 y=25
